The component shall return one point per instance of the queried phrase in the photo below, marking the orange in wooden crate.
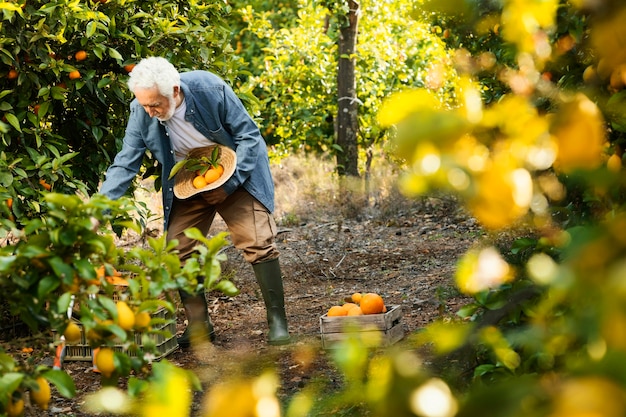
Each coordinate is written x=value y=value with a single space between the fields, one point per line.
x=386 y=327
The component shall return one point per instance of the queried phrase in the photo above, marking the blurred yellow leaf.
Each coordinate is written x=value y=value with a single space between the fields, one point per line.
x=589 y=396
x=503 y=194
x=239 y=397
x=169 y=393
x=445 y=337
x=493 y=338
x=523 y=20
x=609 y=41
x=579 y=130
x=482 y=269
x=400 y=105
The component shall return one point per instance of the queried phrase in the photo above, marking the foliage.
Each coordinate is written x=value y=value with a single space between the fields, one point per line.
x=53 y=265
x=62 y=92
x=539 y=151
x=529 y=135
x=296 y=75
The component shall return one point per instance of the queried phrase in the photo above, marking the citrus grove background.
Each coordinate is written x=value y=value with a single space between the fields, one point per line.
x=514 y=107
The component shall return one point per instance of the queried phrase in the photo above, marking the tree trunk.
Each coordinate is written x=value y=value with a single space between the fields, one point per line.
x=347 y=117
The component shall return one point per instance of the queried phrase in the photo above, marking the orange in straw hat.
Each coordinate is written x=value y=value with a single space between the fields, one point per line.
x=183 y=182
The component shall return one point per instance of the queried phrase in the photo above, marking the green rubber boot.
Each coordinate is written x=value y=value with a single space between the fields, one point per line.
x=199 y=328
x=270 y=280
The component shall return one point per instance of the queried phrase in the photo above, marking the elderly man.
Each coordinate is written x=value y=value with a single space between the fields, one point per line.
x=172 y=114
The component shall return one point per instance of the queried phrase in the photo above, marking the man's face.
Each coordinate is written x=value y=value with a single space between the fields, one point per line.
x=156 y=104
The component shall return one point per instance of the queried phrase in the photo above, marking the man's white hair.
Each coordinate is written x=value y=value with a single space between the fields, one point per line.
x=154 y=72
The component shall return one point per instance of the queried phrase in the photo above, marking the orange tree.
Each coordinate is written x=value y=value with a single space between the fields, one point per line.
x=62 y=83
x=63 y=101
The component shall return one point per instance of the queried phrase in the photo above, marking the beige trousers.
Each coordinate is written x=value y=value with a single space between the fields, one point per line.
x=252 y=227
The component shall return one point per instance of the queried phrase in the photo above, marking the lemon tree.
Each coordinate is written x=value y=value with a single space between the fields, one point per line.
x=539 y=154
x=299 y=89
x=63 y=105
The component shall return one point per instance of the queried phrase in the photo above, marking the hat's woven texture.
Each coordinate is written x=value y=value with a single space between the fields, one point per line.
x=183 y=181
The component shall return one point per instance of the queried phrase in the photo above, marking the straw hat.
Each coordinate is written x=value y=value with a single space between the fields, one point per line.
x=183 y=181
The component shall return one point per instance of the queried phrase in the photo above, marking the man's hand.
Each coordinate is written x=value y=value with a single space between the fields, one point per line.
x=214 y=197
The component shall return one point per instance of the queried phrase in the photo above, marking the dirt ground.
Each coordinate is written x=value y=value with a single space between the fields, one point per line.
x=407 y=256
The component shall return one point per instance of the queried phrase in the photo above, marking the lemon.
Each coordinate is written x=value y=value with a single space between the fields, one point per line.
x=104 y=361
x=41 y=397
x=125 y=316
x=15 y=408
x=142 y=320
x=72 y=333
x=614 y=163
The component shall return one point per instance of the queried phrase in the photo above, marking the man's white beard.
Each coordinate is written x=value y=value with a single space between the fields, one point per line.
x=171 y=110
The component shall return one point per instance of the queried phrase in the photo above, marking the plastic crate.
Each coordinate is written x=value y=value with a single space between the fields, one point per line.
x=164 y=340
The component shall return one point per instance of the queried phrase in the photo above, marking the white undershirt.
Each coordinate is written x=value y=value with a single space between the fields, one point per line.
x=183 y=135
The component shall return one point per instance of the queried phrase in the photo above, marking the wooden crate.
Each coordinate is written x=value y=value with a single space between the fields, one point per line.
x=385 y=327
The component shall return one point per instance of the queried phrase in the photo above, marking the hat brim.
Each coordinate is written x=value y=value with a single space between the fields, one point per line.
x=183 y=181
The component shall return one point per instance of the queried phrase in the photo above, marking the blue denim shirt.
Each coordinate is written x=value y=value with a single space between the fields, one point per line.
x=217 y=113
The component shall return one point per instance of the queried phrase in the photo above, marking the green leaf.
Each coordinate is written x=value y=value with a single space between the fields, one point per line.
x=109 y=305
x=115 y=55
x=177 y=167
x=6 y=262
x=7 y=363
x=217 y=242
x=227 y=288
x=467 y=311
x=136 y=386
x=9 y=382
x=137 y=31
x=46 y=286
x=196 y=234
x=60 y=268
x=62 y=381
x=62 y=200
x=91 y=29
x=13 y=121
x=64 y=301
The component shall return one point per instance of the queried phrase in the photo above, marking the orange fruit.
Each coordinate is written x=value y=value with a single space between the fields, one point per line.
x=336 y=311
x=349 y=306
x=10 y=203
x=199 y=182
x=129 y=67
x=12 y=74
x=220 y=169
x=356 y=297
x=355 y=311
x=372 y=303
x=80 y=55
x=212 y=175
x=44 y=184
x=74 y=75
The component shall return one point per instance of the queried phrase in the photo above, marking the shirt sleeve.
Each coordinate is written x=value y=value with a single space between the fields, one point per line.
x=128 y=161
x=246 y=136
